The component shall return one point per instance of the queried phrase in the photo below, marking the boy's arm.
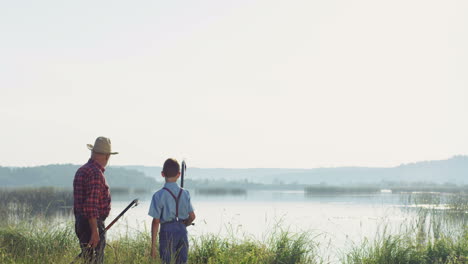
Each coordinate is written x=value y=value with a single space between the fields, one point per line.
x=190 y=219
x=154 y=237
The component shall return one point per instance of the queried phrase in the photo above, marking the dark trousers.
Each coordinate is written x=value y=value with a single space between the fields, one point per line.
x=83 y=232
x=173 y=243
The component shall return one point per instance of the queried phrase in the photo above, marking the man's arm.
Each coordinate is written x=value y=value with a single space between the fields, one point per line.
x=94 y=240
x=189 y=220
x=154 y=237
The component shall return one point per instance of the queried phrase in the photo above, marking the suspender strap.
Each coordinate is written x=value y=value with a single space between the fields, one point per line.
x=176 y=200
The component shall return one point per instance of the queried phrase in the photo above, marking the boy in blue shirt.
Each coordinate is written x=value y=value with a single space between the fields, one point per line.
x=171 y=208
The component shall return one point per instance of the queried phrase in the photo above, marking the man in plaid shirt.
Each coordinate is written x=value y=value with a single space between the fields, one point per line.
x=92 y=201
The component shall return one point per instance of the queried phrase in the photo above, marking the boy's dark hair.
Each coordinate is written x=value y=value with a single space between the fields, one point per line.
x=171 y=168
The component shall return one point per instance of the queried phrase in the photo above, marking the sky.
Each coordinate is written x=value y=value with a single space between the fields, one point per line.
x=234 y=84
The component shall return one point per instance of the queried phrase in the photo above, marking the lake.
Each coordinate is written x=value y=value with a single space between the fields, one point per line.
x=339 y=220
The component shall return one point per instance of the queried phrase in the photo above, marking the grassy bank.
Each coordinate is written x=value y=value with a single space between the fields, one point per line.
x=43 y=244
x=436 y=236
x=40 y=243
x=390 y=249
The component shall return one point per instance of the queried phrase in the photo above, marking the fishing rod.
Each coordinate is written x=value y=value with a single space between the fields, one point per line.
x=182 y=174
x=131 y=205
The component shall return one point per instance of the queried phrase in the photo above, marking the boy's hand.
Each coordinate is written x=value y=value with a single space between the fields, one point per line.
x=190 y=219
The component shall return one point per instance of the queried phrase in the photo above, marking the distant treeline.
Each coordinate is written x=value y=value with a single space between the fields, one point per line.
x=221 y=191
x=321 y=189
x=453 y=170
x=447 y=173
x=393 y=187
x=62 y=176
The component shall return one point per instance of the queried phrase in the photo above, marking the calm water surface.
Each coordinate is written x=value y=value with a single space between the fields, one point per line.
x=339 y=221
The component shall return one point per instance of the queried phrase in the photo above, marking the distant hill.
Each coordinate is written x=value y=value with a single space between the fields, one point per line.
x=62 y=176
x=453 y=170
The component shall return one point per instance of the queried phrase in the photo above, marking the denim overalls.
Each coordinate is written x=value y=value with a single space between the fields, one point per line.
x=173 y=240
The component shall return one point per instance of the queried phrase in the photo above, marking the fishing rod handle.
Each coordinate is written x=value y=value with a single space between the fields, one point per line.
x=122 y=213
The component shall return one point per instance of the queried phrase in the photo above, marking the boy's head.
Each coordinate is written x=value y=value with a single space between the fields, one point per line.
x=171 y=168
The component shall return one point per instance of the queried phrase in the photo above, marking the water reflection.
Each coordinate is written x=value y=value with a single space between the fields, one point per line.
x=442 y=209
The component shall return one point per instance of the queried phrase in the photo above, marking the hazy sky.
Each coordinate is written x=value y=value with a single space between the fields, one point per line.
x=239 y=83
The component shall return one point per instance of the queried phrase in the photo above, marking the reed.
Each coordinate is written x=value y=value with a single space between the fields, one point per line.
x=458 y=202
x=30 y=202
x=436 y=236
x=42 y=243
x=457 y=189
x=407 y=248
x=280 y=247
x=36 y=243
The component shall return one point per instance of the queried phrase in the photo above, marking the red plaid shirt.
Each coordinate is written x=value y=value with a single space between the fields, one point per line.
x=91 y=193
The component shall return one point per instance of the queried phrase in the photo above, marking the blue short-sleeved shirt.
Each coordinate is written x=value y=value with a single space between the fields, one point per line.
x=163 y=205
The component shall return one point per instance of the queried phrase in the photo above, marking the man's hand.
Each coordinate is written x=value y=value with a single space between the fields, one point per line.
x=154 y=253
x=94 y=240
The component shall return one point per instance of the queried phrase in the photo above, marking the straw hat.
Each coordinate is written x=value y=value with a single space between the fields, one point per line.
x=102 y=145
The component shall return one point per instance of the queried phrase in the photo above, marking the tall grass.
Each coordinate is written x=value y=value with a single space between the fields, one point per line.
x=36 y=243
x=30 y=202
x=410 y=249
x=281 y=247
x=437 y=235
x=46 y=244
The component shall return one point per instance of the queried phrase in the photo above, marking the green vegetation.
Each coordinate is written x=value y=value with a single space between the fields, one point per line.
x=458 y=203
x=396 y=188
x=435 y=236
x=407 y=249
x=42 y=243
x=45 y=244
x=429 y=187
x=36 y=243
x=17 y=204
x=281 y=247
x=454 y=203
